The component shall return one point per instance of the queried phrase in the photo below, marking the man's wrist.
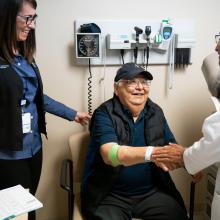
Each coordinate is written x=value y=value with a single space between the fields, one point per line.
x=148 y=152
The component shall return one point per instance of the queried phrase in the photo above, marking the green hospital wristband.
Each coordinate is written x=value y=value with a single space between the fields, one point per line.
x=113 y=155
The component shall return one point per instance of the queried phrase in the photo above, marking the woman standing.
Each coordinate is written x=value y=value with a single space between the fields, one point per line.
x=23 y=104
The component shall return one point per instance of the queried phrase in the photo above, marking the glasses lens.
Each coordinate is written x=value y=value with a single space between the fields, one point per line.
x=217 y=38
x=148 y=82
x=135 y=83
x=31 y=19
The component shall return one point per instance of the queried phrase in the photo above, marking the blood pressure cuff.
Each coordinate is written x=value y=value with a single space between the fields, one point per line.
x=211 y=71
x=90 y=28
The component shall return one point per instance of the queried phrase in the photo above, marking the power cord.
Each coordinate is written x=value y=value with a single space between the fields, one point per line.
x=144 y=58
x=102 y=79
x=135 y=54
x=171 y=61
x=122 y=52
x=147 y=56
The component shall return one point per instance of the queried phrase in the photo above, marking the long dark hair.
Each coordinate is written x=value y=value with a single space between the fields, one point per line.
x=9 y=10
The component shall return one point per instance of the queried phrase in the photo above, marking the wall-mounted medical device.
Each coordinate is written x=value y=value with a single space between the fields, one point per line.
x=163 y=37
x=156 y=39
x=88 y=45
x=118 y=41
x=88 y=41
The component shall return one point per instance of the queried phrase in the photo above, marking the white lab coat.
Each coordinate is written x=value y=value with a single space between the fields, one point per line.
x=206 y=152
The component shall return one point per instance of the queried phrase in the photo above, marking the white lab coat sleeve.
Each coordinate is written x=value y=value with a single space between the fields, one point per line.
x=206 y=151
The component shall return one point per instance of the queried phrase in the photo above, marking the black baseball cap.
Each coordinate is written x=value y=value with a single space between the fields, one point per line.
x=130 y=70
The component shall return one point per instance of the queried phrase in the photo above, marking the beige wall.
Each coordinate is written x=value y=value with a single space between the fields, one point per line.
x=185 y=106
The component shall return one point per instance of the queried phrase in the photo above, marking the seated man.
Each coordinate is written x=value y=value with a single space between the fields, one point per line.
x=120 y=181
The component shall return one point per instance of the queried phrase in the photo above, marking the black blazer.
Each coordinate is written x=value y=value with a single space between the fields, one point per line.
x=11 y=93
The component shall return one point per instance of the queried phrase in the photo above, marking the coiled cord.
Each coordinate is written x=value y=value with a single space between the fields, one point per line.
x=90 y=90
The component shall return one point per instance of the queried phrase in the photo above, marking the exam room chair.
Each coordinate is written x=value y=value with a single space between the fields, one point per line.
x=71 y=175
x=21 y=217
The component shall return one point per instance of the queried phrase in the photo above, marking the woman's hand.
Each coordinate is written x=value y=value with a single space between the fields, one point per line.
x=82 y=118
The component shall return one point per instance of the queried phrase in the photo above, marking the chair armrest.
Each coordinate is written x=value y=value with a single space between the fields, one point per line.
x=192 y=197
x=66 y=176
x=66 y=182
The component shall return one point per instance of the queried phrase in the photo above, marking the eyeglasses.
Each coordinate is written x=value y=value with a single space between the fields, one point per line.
x=28 y=18
x=133 y=83
x=217 y=38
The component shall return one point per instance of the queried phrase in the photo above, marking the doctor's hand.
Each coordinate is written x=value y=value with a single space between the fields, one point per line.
x=82 y=118
x=170 y=155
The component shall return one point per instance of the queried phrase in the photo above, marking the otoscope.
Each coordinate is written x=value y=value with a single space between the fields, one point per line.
x=138 y=32
x=148 y=32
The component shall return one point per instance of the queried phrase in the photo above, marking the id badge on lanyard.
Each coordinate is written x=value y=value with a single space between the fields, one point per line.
x=26 y=119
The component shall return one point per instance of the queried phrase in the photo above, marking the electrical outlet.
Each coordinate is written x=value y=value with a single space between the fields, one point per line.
x=88 y=45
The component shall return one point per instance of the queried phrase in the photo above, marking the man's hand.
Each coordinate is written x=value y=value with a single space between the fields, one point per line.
x=165 y=166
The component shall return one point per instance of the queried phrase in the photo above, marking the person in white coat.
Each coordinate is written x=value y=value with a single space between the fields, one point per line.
x=206 y=151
